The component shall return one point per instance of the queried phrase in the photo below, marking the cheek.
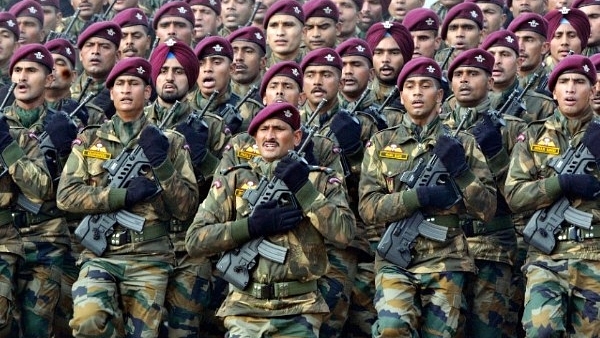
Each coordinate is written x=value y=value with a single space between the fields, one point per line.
x=64 y=73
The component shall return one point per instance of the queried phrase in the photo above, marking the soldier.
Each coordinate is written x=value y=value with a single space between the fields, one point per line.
x=135 y=30
x=561 y=273
x=30 y=19
x=321 y=26
x=225 y=222
x=207 y=18
x=568 y=33
x=423 y=298
x=494 y=16
x=283 y=25
x=492 y=243
x=348 y=10
x=596 y=99
x=519 y=7
x=372 y=12
x=9 y=36
x=136 y=263
x=174 y=20
x=399 y=9
x=591 y=9
x=249 y=61
x=423 y=25
x=357 y=72
x=235 y=14
x=52 y=15
x=442 y=7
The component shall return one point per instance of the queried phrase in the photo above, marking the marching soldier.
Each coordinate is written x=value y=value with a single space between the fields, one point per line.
x=283 y=25
x=174 y=20
x=592 y=10
x=9 y=39
x=135 y=33
x=321 y=25
x=30 y=20
x=568 y=33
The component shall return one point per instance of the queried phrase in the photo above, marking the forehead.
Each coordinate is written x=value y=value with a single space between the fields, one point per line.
x=462 y=22
x=281 y=18
x=27 y=19
x=418 y=78
x=320 y=69
x=244 y=44
x=203 y=8
x=489 y=7
x=274 y=122
x=469 y=69
x=500 y=49
x=529 y=34
x=281 y=79
x=60 y=57
x=169 y=18
x=172 y=62
x=134 y=29
x=98 y=40
x=28 y=64
x=214 y=58
x=572 y=76
x=318 y=20
x=4 y=30
x=128 y=78
x=355 y=58
x=565 y=28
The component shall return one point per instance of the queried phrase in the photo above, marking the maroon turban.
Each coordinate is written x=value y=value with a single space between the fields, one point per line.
x=182 y=52
x=576 y=18
x=397 y=31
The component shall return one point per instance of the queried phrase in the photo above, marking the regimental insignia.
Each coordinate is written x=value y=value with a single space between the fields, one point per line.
x=258 y=36
x=327 y=10
x=140 y=70
x=138 y=16
x=295 y=72
x=545 y=146
x=97 y=151
x=474 y=14
x=171 y=42
x=239 y=192
x=430 y=69
x=393 y=152
x=213 y=2
x=10 y=23
x=360 y=48
x=480 y=58
x=182 y=10
x=533 y=23
x=387 y=24
x=586 y=68
x=217 y=184
x=287 y=113
x=68 y=50
x=564 y=10
x=329 y=57
x=32 y=10
x=39 y=55
x=110 y=32
x=297 y=9
x=509 y=39
x=429 y=21
x=248 y=153
x=218 y=48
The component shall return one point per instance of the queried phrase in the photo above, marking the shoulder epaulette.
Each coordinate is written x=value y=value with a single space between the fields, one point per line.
x=235 y=167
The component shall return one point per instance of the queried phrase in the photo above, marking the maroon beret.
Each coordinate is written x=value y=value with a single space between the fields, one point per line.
x=322 y=57
x=577 y=64
x=34 y=52
x=179 y=9
x=355 y=46
x=28 y=8
x=583 y=3
x=215 y=5
x=421 y=19
x=499 y=3
x=465 y=10
x=9 y=21
x=283 y=111
x=596 y=61
x=53 y=3
x=213 y=45
x=379 y=30
x=479 y=58
x=131 y=17
x=250 y=34
x=64 y=48
x=135 y=66
x=421 y=66
x=577 y=19
x=322 y=9
x=285 y=7
x=284 y=68
x=107 y=30
x=532 y=22
x=182 y=52
x=504 y=38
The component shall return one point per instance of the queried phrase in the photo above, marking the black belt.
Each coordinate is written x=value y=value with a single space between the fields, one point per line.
x=24 y=219
x=123 y=237
x=279 y=290
x=473 y=227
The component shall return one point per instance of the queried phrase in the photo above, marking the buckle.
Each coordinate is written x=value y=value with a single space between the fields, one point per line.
x=176 y=226
x=263 y=291
x=120 y=238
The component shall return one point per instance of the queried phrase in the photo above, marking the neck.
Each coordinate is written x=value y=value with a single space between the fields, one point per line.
x=53 y=95
x=31 y=104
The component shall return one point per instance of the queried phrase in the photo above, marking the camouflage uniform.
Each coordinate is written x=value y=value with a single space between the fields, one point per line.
x=562 y=289
x=492 y=244
x=45 y=238
x=440 y=10
x=76 y=28
x=537 y=106
x=540 y=85
x=123 y=290
x=98 y=109
x=272 y=59
x=188 y=291
x=590 y=51
x=328 y=216
x=441 y=55
x=242 y=89
x=380 y=91
x=429 y=289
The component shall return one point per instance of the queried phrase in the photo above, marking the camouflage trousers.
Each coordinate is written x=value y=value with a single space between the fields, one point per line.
x=64 y=308
x=188 y=295
x=517 y=293
x=336 y=287
x=38 y=287
x=362 y=313
x=562 y=297
x=8 y=269
x=417 y=305
x=119 y=298
x=297 y=326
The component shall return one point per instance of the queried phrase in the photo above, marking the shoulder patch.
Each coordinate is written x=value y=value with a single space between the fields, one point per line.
x=217 y=184
x=334 y=180
x=521 y=137
x=76 y=142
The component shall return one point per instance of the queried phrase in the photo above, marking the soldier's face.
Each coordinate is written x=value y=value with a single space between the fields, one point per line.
x=320 y=32
x=64 y=73
x=399 y=8
x=52 y=17
x=30 y=30
x=348 y=16
x=129 y=95
x=426 y=43
x=463 y=34
x=356 y=75
x=88 y=7
x=565 y=39
x=282 y=89
x=422 y=97
x=214 y=74
x=8 y=43
x=387 y=61
x=593 y=14
x=470 y=85
x=321 y=82
x=135 y=42
x=206 y=22
x=31 y=78
x=573 y=93
x=171 y=27
x=370 y=13
x=235 y=13
x=493 y=17
x=275 y=138
x=526 y=6
x=596 y=98
x=124 y=4
x=532 y=48
x=505 y=67
x=248 y=61
x=284 y=34
x=98 y=56
x=558 y=4
x=172 y=83
x=262 y=10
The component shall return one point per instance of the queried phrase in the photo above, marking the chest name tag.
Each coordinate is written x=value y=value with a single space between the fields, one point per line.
x=247 y=155
x=540 y=148
x=97 y=151
x=394 y=155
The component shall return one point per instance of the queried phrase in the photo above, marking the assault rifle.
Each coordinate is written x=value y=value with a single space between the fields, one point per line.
x=131 y=163
x=545 y=223
x=514 y=104
x=235 y=265
x=65 y=34
x=98 y=18
x=400 y=236
x=11 y=89
x=194 y=119
x=382 y=122
x=447 y=57
x=231 y=114
x=257 y=4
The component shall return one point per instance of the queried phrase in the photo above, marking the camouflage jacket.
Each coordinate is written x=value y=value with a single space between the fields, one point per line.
x=83 y=186
x=531 y=184
x=76 y=28
x=537 y=106
x=384 y=198
x=272 y=59
x=442 y=54
x=540 y=85
x=216 y=229
x=98 y=110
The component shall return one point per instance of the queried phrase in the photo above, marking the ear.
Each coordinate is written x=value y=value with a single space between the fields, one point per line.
x=49 y=79
x=297 y=137
x=147 y=92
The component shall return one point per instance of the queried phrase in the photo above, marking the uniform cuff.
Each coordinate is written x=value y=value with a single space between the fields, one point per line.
x=164 y=170
x=552 y=186
x=209 y=164
x=116 y=198
x=239 y=230
x=411 y=201
x=465 y=179
x=307 y=195
x=12 y=153
x=499 y=161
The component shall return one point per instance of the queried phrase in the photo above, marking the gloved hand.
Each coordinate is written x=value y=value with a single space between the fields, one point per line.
x=70 y=105
x=155 y=145
x=196 y=140
x=437 y=196
x=488 y=137
x=5 y=138
x=452 y=154
x=579 y=185
x=347 y=132
x=139 y=189
x=591 y=139
x=62 y=131
x=292 y=172
x=270 y=219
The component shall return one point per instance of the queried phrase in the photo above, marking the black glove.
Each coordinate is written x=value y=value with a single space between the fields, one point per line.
x=488 y=137
x=196 y=140
x=452 y=154
x=155 y=145
x=591 y=139
x=5 y=138
x=294 y=173
x=437 y=196
x=139 y=189
x=62 y=131
x=269 y=219
x=347 y=132
x=579 y=185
